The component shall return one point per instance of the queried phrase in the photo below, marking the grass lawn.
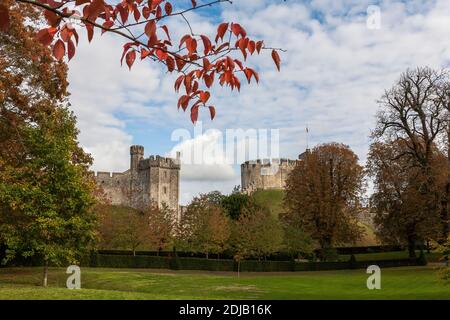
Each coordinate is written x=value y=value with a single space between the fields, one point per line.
x=396 y=283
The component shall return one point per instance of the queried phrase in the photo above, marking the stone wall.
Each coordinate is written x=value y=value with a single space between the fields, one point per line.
x=265 y=174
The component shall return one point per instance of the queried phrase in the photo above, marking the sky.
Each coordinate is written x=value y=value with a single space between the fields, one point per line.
x=340 y=56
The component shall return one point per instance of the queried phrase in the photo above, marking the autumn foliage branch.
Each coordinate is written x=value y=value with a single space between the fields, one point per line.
x=197 y=59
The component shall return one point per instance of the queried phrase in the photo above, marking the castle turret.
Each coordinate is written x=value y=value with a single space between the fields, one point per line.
x=136 y=155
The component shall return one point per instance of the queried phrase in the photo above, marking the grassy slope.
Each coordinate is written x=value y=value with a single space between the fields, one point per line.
x=397 y=283
x=273 y=199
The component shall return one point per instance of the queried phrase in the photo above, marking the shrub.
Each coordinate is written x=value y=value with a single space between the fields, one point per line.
x=422 y=260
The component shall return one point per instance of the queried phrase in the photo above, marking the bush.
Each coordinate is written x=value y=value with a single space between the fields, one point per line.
x=422 y=260
x=352 y=262
x=444 y=274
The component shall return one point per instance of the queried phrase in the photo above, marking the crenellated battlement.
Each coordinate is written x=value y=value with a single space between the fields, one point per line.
x=158 y=161
x=267 y=163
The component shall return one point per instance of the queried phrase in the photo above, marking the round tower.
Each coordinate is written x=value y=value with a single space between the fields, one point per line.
x=136 y=155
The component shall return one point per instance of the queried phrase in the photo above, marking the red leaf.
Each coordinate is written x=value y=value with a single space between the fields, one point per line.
x=150 y=28
x=51 y=17
x=194 y=114
x=170 y=63
x=70 y=49
x=180 y=63
x=94 y=9
x=221 y=29
x=276 y=59
x=45 y=36
x=238 y=30
x=178 y=83
x=212 y=112
x=259 y=45
x=146 y=12
x=194 y=3
x=191 y=45
x=59 y=50
x=168 y=8
x=158 y=12
x=251 y=46
x=166 y=30
x=204 y=96
x=90 y=31
x=144 y=53
x=4 y=18
x=162 y=55
x=130 y=57
x=206 y=44
x=107 y=25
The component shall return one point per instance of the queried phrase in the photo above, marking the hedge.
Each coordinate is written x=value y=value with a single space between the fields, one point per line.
x=180 y=263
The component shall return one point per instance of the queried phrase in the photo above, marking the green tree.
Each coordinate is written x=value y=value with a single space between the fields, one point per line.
x=296 y=242
x=46 y=197
x=234 y=203
x=45 y=188
x=256 y=233
x=204 y=227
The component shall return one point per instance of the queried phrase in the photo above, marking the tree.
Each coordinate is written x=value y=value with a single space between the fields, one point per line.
x=256 y=233
x=45 y=188
x=402 y=207
x=296 y=241
x=204 y=227
x=46 y=198
x=162 y=226
x=125 y=228
x=323 y=192
x=415 y=110
x=195 y=57
x=234 y=203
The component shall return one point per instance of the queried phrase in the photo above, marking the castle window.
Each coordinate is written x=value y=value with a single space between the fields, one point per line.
x=165 y=174
x=165 y=190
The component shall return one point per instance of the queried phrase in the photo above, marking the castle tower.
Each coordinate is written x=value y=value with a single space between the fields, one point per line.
x=136 y=155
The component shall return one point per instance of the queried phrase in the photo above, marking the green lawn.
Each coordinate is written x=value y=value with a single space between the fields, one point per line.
x=397 y=283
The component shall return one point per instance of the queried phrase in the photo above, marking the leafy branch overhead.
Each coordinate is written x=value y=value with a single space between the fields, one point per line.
x=197 y=59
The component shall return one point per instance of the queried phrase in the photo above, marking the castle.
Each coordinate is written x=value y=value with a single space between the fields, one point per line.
x=152 y=180
x=266 y=174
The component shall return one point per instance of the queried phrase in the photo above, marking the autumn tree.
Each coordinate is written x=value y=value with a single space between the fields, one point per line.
x=415 y=110
x=323 y=192
x=123 y=227
x=162 y=223
x=144 y=26
x=403 y=215
x=45 y=188
x=204 y=227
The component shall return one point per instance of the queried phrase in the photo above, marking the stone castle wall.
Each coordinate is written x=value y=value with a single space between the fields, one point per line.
x=155 y=179
x=266 y=174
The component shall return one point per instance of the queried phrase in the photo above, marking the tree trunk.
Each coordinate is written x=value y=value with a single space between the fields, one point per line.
x=411 y=247
x=134 y=252
x=239 y=267
x=45 y=279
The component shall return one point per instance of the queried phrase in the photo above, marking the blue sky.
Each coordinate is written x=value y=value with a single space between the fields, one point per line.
x=332 y=74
